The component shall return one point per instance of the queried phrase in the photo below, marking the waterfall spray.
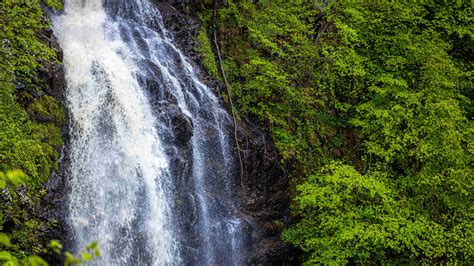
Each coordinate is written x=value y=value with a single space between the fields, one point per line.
x=123 y=72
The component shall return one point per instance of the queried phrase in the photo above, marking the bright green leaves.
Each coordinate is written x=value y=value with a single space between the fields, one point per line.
x=411 y=120
x=6 y=258
x=387 y=89
x=86 y=256
x=32 y=147
x=207 y=54
x=53 y=4
x=4 y=240
x=92 y=251
x=55 y=246
x=14 y=177
x=344 y=216
x=93 y=248
x=338 y=186
x=349 y=217
x=22 y=51
x=70 y=259
x=413 y=142
x=271 y=60
x=37 y=261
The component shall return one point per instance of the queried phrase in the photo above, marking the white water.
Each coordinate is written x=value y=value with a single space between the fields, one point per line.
x=124 y=193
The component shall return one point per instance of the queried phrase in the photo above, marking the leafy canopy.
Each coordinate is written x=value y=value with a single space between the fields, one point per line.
x=370 y=103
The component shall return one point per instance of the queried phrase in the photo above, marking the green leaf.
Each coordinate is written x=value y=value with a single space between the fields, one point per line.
x=16 y=177
x=55 y=246
x=37 y=261
x=4 y=239
x=12 y=262
x=97 y=252
x=70 y=259
x=86 y=256
x=4 y=255
x=91 y=246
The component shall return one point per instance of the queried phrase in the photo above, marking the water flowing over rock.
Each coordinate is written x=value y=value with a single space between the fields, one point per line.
x=148 y=166
x=150 y=163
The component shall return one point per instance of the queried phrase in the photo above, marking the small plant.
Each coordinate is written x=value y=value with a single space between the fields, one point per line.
x=10 y=181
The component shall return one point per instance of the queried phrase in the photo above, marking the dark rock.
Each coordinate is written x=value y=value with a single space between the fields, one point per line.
x=264 y=191
x=19 y=86
x=184 y=28
x=53 y=207
x=52 y=72
x=263 y=196
x=181 y=124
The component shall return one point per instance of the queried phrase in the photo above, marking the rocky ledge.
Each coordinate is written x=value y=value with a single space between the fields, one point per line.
x=263 y=192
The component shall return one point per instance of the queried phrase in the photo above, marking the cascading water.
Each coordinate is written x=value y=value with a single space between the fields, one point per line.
x=151 y=165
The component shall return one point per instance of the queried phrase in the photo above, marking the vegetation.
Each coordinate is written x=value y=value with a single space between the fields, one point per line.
x=10 y=181
x=207 y=55
x=371 y=105
x=368 y=103
x=30 y=121
x=25 y=143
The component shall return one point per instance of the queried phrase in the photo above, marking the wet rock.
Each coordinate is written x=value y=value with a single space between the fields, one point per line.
x=263 y=194
x=177 y=138
x=53 y=207
x=181 y=124
x=184 y=27
x=52 y=73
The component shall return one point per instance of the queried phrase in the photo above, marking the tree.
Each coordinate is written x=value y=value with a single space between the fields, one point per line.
x=370 y=106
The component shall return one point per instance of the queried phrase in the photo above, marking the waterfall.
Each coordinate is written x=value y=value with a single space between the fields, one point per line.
x=152 y=167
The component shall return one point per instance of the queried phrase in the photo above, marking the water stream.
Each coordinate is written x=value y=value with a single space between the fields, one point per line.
x=152 y=166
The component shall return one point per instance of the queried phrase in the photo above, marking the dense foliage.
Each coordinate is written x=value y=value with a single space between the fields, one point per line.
x=9 y=183
x=30 y=121
x=370 y=102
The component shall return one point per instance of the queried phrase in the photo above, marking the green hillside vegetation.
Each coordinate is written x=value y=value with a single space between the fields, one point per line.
x=370 y=104
x=10 y=181
x=26 y=143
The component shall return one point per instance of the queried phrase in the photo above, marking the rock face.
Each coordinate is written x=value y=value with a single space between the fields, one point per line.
x=263 y=195
x=263 y=192
x=54 y=204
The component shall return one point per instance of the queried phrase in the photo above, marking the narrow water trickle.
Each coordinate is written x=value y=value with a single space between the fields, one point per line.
x=152 y=165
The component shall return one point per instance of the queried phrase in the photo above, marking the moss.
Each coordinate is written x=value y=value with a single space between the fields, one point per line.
x=31 y=138
x=206 y=52
x=47 y=107
x=30 y=121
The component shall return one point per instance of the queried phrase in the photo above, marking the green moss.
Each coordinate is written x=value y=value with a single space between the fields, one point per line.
x=47 y=107
x=30 y=145
x=30 y=135
x=207 y=55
